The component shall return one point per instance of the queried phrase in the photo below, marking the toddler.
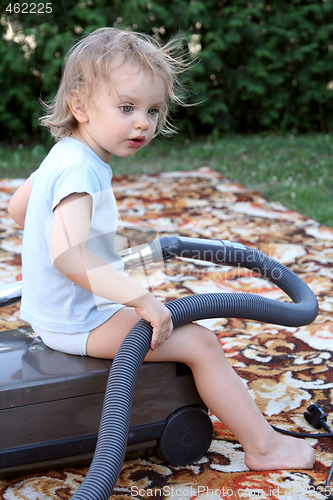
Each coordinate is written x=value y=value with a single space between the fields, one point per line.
x=112 y=100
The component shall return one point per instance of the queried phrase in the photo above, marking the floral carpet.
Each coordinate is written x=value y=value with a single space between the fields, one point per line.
x=285 y=369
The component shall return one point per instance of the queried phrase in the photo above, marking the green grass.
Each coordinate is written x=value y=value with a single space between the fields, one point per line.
x=296 y=170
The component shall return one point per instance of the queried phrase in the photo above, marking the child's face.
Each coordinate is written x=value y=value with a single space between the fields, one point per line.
x=121 y=117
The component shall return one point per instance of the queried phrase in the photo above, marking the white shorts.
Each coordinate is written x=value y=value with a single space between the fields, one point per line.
x=70 y=343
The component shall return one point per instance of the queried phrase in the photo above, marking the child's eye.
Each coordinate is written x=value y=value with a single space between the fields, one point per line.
x=153 y=111
x=126 y=108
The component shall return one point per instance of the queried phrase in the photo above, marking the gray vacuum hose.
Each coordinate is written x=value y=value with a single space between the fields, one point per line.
x=112 y=439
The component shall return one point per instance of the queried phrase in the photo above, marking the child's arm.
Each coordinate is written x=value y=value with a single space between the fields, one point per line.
x=18 y=203
x=70 y=236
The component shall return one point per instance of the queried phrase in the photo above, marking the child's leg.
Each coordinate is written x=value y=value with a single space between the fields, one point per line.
x=219 y=387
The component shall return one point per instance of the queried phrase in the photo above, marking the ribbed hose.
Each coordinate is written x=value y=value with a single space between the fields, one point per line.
x=302 y=311
x=113 y=434
x=112 y=438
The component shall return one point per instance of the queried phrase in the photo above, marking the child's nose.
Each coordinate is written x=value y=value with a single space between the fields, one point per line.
x=141 y=123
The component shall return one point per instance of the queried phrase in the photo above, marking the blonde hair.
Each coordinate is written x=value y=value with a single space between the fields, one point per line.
x=95 y=55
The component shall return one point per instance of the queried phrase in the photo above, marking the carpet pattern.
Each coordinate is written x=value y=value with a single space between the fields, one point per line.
x=285 y=369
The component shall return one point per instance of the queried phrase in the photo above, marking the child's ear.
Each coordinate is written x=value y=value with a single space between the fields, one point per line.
x=77 y=105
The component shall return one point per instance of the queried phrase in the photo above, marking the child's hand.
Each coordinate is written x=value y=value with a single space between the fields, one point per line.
x=159 y=316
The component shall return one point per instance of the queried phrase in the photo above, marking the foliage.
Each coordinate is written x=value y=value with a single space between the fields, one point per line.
x=260 y=65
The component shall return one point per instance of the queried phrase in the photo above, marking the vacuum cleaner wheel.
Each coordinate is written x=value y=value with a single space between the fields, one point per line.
x=186 y=436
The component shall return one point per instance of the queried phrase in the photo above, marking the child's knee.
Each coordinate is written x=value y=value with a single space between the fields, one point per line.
x=203 y=340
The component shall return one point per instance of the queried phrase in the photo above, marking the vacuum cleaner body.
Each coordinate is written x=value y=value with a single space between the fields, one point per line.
x=51 y=403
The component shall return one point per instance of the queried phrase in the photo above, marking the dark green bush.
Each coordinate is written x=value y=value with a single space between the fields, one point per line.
x=261 y=65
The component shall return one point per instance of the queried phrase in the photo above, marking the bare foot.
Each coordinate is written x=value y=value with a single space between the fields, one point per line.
x=281 y=452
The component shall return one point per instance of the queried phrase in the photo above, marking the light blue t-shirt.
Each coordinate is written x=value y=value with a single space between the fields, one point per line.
x=49 y=299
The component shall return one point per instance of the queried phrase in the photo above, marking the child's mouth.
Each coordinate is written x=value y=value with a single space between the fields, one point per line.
x=136 y=141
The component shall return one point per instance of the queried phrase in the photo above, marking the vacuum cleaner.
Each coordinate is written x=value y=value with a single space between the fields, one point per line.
x=185 y=433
